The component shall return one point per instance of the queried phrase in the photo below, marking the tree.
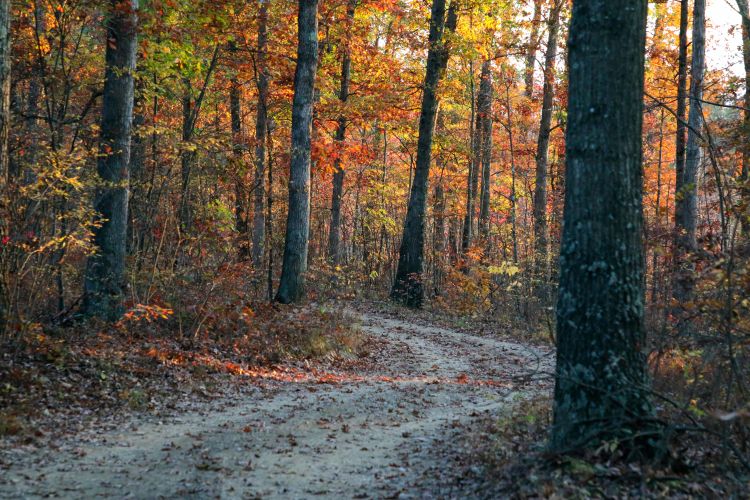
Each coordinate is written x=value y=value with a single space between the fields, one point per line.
x=235 y=112
x=686 y=188
x=542 y=146
x=261 y=130
x=601 y=371
x=408 y=287
x=475 y=160
x=334 y=236
x=294 y=265
x=484 y=107
x=5 y=47
x=742 y=5
x=531 y=48
x=104 y=289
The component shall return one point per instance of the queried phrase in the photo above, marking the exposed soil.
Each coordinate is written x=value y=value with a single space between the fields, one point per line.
x=380 y=433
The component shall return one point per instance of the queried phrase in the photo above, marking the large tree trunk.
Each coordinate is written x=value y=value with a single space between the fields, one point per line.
x=261 y=129
x=408 y=287
x=334 y=236
x=531 y=49
x=542 y=147
x=104 y=282
x=240 y=189
x=294 y=265
x=745 y=172
x=5 y=47
x=686 y=200
x=601 y=372
x=485 y=114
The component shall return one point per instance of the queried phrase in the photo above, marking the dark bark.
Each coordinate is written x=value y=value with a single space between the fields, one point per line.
x=104 y=287
x=261 y=131
x=408 y=287
x=472 y=183
x=542 y=148
x=240 y=189
x=294 y=265
x=334 y=236
x=686 y=199
x=601 y=372
x=484 y=107
x=745 y=172
x=5 y=77
x=531 y=49
x=438 y=211
x=187 y=157
x=682 y=68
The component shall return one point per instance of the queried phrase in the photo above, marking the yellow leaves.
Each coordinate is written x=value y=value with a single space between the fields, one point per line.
x=505 y=268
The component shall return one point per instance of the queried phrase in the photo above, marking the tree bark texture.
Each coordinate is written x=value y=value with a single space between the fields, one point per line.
x=294 y=264
x=601 y=371
x=104 y=285
x=484 y=107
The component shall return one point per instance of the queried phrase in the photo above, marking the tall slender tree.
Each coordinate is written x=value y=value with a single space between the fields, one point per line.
x=294 y=265
x=261 y=130
x=240 y=188
x=686 y=198
x=5 y=47
x=531 y=48
x=484 y=108
x=104 y=282
x=742 y=5
x=472 y=181
x=601 y=371
x=542 y=145
x=408 y=287
x=334 y=235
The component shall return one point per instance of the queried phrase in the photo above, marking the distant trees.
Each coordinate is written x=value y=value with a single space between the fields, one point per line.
x=600 y=385
x=407 y=286
x=294 y=266
x=104 y=287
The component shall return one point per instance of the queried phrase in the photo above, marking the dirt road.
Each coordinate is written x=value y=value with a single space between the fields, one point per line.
x=364 y=436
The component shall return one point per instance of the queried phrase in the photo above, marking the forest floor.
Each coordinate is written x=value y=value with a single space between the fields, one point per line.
x=391 y=429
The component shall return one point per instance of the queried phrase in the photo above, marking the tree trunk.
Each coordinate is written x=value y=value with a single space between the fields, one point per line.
x=681 y=95
x=240 y=189
x=531 y=49
x=686 y=201
x=745 y=172
x=334 y=236
x=5 y=76
x=104 y=286
x=601 y=371
x=472 y=184
x=438 y=211
x=187 y=156
x=408 y=287
x=485 y=114
x=294 y=265
x=261 y=129
x=542 y=147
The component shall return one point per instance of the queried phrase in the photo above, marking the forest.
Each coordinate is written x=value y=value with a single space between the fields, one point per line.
x=374 y=248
